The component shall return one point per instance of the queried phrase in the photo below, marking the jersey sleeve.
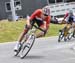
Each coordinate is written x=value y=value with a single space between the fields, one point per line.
x=35 y=13
x=48 y=21
x=65 y=15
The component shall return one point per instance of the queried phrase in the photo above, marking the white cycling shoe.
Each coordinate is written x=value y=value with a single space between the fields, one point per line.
x=17 y=46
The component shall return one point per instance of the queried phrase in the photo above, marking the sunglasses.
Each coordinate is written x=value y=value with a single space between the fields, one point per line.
x=45 y=15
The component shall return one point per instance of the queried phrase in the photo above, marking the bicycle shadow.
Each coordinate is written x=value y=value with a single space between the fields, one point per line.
x=71 y=40
x=33 y=57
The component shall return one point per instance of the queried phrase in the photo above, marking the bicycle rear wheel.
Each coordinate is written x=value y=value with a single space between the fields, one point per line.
x=70 y=35
x=27 y=46
x=74 y=34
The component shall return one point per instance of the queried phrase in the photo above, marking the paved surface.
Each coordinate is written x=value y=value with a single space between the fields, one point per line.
x=45 y=50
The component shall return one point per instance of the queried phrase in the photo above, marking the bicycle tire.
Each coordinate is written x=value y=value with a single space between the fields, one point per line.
x=23 y=50
x=70 y=35
x=74 y=34
x=60 y=36
x=65 y=39
x=17 y=52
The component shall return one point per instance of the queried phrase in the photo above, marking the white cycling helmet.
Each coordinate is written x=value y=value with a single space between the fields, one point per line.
x=46 y=11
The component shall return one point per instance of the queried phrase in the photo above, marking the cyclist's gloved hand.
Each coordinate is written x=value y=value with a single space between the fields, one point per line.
x=63 y=20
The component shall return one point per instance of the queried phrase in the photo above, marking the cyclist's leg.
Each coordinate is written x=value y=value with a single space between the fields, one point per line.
x=22 y=36
x=65 y=25
x=69 y=25
x=66 y=29
x=73 y=25
x=73 y=22
x=18 y=44
x=26 y=29
x=41 y=33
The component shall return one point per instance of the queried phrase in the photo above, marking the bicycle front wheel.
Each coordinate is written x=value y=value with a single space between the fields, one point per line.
x=27 y=46
x=60 y=36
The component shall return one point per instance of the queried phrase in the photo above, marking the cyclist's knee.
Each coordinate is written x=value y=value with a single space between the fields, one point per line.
x=73 y=24
x=27 y=27
x=65 y=28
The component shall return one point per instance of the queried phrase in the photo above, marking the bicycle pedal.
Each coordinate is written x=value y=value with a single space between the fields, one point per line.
x=15 y=50
x=27 y=46
x=28 y=43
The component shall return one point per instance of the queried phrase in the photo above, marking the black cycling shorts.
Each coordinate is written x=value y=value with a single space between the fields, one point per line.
x=38 y=22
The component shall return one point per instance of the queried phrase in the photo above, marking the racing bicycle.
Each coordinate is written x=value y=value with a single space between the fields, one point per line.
x=27 y=42
x=66 y=34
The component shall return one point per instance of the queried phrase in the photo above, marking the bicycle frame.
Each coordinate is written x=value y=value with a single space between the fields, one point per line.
x=67 y=28
x=27 y=45
x=67 y=33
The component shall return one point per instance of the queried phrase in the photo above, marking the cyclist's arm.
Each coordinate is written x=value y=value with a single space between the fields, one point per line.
x=48 y=22
x=65 y=16
x=34 y=14
x=63 y=20
x=44 y=24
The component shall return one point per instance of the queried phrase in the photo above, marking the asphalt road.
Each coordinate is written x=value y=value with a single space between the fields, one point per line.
x=44 y=50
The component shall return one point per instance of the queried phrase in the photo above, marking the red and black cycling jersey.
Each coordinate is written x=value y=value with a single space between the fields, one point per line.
x=37 y=15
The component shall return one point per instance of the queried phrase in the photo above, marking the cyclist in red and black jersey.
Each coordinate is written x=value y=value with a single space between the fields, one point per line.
x=42 y=18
